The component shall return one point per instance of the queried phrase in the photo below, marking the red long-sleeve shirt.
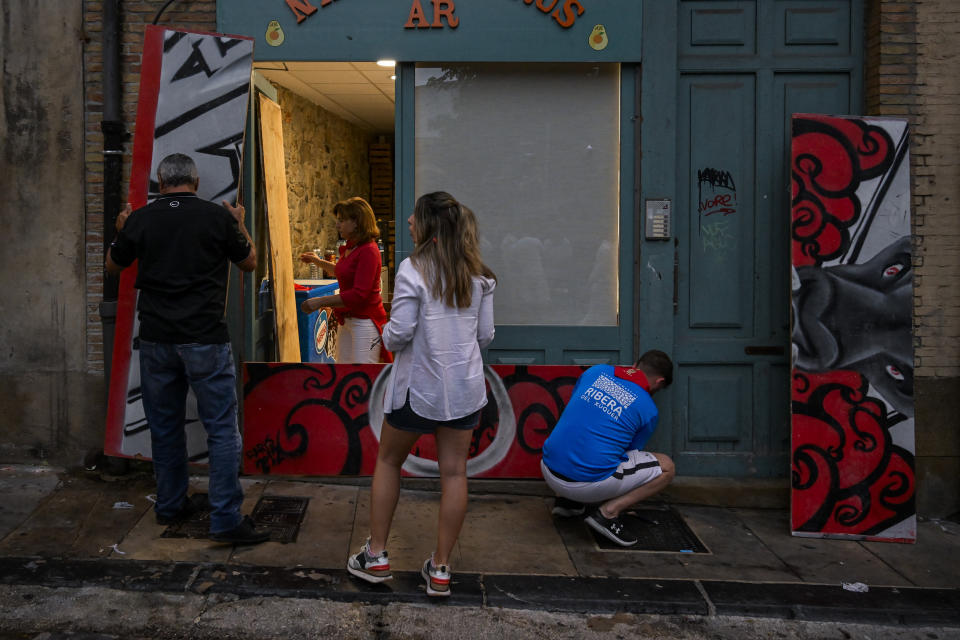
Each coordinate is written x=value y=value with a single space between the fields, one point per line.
x=358 y=275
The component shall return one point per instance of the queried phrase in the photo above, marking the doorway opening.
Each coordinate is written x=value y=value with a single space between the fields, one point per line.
x=338 y=143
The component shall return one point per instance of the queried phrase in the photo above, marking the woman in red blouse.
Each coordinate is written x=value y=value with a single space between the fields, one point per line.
x=358 y=307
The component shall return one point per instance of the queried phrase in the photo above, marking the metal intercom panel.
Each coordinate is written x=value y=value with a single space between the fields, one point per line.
x=658 y=225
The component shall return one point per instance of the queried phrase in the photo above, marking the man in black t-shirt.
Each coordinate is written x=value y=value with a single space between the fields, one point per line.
x=184 y=246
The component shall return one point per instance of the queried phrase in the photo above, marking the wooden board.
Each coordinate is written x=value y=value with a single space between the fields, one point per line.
x=853 y=412
x=324 y=420
x=278 y=223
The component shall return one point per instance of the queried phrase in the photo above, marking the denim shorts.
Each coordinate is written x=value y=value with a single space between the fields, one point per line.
x=406 y=419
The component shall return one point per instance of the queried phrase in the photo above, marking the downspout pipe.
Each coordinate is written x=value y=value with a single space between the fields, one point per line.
x=114 y=135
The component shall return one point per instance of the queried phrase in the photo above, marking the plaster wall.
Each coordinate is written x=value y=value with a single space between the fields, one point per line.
x=49 y=402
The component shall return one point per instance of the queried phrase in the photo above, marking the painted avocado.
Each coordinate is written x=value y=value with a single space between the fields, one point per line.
x=598 y=37
x=274 y=34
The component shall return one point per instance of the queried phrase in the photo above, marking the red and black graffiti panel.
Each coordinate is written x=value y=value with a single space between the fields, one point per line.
x=848 y=475
x=315 y=419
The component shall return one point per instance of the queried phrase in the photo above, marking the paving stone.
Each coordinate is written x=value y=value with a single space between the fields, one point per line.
x=512 y=534
x=23 y=488
x=922 y=563
x=817 y=560
x=413 y=534
x=324 y=536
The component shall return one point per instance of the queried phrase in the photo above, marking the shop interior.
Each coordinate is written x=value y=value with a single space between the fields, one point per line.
x=338 y=142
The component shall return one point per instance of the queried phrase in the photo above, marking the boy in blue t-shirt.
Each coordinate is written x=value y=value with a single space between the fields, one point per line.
x=594 y=455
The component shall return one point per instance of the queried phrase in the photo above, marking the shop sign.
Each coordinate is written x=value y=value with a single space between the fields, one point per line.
x=442 y=14
x=439 y=30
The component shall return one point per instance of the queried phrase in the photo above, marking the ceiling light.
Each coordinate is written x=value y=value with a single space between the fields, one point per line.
x=387 y=63
x=393 y=77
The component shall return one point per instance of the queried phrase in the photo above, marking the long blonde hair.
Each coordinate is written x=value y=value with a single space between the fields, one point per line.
x=448 y=248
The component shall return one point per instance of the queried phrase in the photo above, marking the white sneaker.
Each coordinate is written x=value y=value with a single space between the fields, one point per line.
x=369 y=567
x=437 y=578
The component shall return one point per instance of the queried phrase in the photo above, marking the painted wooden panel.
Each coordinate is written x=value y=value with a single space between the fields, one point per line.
x=814 y=27
x=708 y=28
x=194 y=90
x=324 y=420
x=852 y=385
x=718 y=401
x=720 y=155
x=278 y=223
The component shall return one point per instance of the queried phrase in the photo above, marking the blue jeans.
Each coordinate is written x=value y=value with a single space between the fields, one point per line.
x=165 y=372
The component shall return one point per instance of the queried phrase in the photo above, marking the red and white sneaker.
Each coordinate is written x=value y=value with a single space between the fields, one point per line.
x=437 y=578
x=369 y=567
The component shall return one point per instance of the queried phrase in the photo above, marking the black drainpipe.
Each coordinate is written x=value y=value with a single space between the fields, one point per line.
x=114 y=134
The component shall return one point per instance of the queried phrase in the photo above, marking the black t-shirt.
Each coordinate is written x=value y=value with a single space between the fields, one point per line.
x=184 y=246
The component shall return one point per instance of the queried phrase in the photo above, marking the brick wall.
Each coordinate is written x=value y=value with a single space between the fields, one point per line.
x=913 y=49
x=936 y=148
x=183 y=14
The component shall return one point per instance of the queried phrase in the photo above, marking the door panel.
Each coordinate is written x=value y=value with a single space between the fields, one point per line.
x=814 y=27
x=742 y=69
x=719 y=163
x=719 y=398
x=709 y=27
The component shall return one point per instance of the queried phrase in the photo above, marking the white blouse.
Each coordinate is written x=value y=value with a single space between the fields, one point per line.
x=436 y=348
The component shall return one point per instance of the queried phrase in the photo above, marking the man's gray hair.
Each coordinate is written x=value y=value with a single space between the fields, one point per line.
x=177 y=169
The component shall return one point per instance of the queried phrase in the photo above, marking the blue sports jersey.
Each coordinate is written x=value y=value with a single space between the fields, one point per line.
x=608 y=415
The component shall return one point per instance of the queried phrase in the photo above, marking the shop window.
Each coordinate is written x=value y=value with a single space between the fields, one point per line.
x=534 y=150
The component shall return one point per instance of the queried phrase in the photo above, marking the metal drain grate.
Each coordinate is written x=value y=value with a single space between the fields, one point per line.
x=656 y=530
x=282 y=515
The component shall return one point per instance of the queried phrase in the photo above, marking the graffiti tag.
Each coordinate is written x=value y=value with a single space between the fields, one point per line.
x=710 y=203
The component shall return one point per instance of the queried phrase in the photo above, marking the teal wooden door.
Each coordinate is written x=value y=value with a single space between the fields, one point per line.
x=739 y=68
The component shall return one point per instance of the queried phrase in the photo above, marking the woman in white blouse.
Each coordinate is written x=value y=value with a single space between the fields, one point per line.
x=441 y=317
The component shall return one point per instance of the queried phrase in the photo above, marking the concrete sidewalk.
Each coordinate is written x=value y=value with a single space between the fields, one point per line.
x=77 y=530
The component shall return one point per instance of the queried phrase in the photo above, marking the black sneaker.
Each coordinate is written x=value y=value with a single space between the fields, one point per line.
x=567 y=508
x=244 y=533
x=194 y=504
x=612 y=528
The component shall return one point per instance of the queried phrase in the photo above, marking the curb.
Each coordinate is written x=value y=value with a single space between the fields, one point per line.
x=791 y=601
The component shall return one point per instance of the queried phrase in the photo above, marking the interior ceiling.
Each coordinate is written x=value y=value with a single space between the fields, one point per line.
x=359 y=92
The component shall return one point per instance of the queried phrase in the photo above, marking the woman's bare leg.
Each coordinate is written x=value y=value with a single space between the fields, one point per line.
x=385 y=491
x=452 y=448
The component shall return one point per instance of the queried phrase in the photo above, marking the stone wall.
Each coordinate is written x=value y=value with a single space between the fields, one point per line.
x=327 y=161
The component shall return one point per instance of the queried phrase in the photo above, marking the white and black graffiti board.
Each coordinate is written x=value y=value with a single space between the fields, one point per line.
x=194 y=93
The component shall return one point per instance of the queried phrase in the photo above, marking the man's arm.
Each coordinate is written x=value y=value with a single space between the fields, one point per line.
x=113 y=267
x=250 y=262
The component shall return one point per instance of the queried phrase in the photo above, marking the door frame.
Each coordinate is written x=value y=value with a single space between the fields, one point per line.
x=658 y=267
